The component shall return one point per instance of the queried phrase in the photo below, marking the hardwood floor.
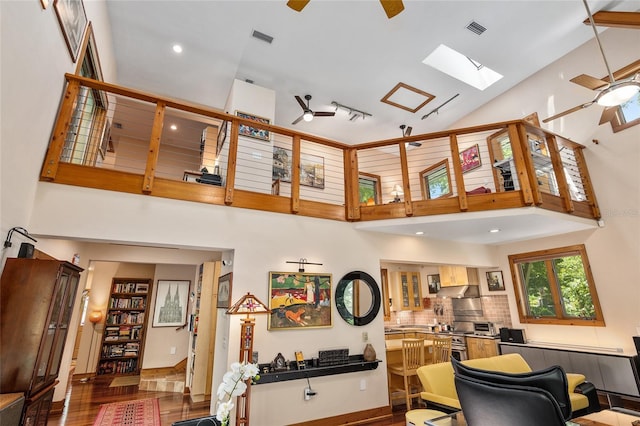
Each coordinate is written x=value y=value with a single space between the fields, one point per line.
x=83 y=401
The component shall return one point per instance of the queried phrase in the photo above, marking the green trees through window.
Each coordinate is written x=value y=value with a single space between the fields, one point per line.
x=556 y=286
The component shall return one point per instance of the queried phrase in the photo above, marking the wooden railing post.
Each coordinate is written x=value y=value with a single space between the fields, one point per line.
x=52 y=159
x=457 y=172
x=351 y=184
x=295 y=175
x=586 y=182
x=558 y=170
x=519 y=150
x=232 y=162
x=408 y=206
x=154 y=148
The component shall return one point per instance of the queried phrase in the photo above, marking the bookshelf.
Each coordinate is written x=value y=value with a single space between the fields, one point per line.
x=122 y=343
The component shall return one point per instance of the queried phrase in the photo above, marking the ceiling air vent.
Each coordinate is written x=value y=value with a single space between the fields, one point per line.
x=476 y=28
x=262 y=36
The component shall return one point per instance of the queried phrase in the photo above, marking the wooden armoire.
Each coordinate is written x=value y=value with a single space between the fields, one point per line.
x=36 y=303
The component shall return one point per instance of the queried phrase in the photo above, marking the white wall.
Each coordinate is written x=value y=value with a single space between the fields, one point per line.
x=613 y=250
x=31 y=84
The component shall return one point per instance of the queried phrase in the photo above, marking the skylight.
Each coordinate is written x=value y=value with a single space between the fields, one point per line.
x=461 y=67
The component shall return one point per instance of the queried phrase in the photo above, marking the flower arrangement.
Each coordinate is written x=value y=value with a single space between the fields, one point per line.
x=233 y=385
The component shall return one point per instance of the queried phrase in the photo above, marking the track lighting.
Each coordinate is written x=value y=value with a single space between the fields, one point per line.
x=351 y=112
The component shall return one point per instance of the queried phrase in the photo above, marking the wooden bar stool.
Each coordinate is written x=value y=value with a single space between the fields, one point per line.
x=412 y=359
x=441 y=349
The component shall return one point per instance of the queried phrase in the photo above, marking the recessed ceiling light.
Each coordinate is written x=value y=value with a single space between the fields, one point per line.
x=419 y=233
x=174 y=127
x=493 y=231
x=177 y=48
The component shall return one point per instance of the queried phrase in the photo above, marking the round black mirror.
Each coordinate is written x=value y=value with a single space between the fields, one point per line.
x=358 y=298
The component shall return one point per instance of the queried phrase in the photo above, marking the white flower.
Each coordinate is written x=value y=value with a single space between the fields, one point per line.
x=233 y=384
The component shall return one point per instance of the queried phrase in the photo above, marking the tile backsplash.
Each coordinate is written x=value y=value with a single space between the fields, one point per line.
x=495 y=309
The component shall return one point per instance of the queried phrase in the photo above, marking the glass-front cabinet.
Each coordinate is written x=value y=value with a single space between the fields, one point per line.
x=410 y=290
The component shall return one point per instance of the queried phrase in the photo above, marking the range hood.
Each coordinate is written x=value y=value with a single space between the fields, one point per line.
x=458 y=291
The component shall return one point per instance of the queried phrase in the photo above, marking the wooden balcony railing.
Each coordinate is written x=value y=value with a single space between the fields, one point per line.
x=120 y=139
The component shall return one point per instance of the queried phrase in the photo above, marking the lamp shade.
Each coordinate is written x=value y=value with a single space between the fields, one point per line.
x=95 y=317
x=248 y=304
x=397 y=190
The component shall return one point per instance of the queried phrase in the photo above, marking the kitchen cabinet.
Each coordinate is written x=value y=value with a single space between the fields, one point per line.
x=479 y=347
x=408 y=291
x=36 y=298
x=458 y=275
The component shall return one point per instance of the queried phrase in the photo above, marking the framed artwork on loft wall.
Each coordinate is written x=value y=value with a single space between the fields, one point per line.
x=253 y=132
x=224 y=291
x=73 y=21
x=470 y=158
x=299 y=300
x=171 y=303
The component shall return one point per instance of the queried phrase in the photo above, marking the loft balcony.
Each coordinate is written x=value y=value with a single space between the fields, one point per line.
x=120 y=139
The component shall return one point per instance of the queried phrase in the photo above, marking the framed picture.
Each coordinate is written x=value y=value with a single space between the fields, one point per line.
x=224 y=291
x=312 y=171
x=434 y=283
x=299 y=300
x=73 y=21
x=311 y=168
x=171 y=303
x=252 y=132
x=142 y=288
x=495 y=281
x=222 y=135
x=470 y=158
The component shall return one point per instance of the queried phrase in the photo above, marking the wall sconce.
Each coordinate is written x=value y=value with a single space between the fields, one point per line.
x=397 y=192
x=302 y=262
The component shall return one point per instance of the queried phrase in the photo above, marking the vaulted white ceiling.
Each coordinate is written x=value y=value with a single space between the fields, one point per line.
x=341 y=51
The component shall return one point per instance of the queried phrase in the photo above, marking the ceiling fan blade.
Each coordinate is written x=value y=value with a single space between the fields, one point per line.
x=589 y=82
x=569 y=111
x=324 y=113
x=297 y=5
x=301 y=102
x=392 y=7
x=616 y=19
x=608 y=114
x=297 y=120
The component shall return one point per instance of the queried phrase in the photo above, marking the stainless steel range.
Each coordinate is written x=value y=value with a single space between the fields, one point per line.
x=458 y=344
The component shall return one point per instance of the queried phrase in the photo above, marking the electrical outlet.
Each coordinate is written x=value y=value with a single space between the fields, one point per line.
x=365 y=336
x=363 y=384
x=308 y=393
x=172 y=351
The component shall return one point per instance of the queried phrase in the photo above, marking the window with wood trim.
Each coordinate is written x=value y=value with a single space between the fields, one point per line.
x=88 y=133
x=628 y=115
x=555 y=286
x=436 y=181
x=370 y=189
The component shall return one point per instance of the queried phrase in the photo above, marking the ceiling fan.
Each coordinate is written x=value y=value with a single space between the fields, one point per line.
x=611 y=93
x=406 y=132
x=307 y=114
x=391 y=7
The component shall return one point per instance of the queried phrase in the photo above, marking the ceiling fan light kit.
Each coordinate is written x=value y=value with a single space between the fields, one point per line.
x=618 y=93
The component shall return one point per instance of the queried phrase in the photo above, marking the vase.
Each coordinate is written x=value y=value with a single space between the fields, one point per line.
x=369 y=353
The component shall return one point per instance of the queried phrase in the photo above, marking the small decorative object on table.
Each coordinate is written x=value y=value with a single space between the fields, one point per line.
x=233 y=385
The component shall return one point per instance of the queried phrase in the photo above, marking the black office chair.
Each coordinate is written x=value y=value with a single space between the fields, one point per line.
x=491 y=404
x=552 y=379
